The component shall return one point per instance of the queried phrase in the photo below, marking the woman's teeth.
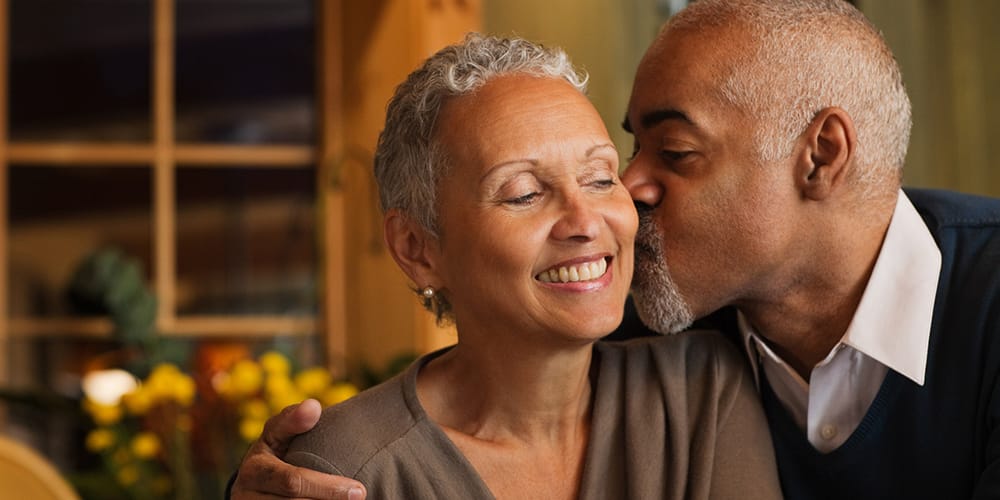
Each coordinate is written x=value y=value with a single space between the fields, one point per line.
x=581 y=272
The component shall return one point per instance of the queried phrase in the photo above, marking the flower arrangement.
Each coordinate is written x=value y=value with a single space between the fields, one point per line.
x=174 y=435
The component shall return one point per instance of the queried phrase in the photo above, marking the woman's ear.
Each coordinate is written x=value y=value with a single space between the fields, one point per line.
x=413 y=248
x=824 y=163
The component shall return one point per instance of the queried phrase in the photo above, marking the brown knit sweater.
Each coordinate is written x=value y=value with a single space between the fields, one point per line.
x=674 y=417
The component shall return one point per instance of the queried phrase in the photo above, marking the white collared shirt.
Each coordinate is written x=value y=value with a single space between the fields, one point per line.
x=889 y=330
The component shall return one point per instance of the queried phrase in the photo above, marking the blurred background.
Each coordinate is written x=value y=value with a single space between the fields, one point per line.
x=189 y=235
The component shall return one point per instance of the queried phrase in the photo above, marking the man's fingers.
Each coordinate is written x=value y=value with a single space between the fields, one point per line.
x=292 y=421
x=265 y=476
x=321 y=486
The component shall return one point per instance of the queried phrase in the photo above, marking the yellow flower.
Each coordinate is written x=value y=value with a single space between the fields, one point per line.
x=255 y=409
x=139 y=401
x=281 y=400
x=145 y=445
x=251 y=428
x=169 y=383
x=337 y=393
x=245 y=379
x=281 y=392
x=162 y=380
x=184 y=390
x=278 y=384
x=128 y=475
x=275 y=363
x=313 y=381
x=101 y=413
x=99 y=440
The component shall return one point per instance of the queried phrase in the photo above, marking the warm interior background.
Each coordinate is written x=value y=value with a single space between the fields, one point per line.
x=211 y=158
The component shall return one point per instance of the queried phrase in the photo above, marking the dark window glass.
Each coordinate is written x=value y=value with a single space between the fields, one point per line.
x=61 y=216
x=245 y=71
x=246 y=241
x=80 y=70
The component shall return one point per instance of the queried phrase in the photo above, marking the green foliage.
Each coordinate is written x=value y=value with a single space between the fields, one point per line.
x=108 y=282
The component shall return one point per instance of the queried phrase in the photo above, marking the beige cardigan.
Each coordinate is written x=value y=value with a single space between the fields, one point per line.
x=673 y=417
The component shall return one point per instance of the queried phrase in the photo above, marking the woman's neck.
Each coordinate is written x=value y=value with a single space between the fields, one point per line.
x=509 y=394
x=521 y=416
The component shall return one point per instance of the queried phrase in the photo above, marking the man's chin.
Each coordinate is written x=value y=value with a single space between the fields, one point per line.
x=664 y=313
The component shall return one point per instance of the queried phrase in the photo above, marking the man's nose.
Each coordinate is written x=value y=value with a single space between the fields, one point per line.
x=643 y=186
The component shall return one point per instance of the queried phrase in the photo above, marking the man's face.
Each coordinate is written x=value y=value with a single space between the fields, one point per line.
x=722 y=219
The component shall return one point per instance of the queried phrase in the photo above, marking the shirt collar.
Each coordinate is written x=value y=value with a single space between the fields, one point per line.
x=892 y=323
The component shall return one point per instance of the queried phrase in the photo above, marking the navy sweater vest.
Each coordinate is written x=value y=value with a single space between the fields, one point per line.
x=942 y=440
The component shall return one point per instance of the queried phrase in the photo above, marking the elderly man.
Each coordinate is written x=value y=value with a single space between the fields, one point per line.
x=770 y=139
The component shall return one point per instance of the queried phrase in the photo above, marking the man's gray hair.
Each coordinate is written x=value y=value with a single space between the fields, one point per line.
x=408 y=161
x=806 y=55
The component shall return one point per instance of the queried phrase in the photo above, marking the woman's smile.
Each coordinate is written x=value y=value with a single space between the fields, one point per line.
x=573 y=272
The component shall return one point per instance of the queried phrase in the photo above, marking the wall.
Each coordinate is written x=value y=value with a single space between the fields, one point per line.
x=606 y=39
x=947 y=53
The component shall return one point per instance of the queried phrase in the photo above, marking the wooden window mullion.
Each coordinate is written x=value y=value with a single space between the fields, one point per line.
x=4 y=168
x=164 y=190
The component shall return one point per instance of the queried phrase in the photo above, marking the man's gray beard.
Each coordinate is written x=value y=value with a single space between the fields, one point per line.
x=659 y=304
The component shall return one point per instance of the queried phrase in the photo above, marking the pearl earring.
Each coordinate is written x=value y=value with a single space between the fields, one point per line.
x=428 y=292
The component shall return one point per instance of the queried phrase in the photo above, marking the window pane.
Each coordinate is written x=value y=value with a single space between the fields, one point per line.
x=246 y=241
x=59 y=216
x=80 y=70
x=245 y=71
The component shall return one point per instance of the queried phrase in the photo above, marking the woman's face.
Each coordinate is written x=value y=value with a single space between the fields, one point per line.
x=536 y=230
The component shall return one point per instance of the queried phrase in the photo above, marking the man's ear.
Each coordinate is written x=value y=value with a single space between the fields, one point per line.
x=825 y=161
x=413 y=248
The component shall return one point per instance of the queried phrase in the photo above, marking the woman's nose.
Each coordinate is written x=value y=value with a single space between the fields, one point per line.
x=580 y=220
x=643 y=187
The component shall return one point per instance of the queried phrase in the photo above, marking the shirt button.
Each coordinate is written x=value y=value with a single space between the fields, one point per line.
x=828 y=432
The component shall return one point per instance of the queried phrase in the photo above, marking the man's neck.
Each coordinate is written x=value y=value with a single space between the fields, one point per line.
x=807 y=316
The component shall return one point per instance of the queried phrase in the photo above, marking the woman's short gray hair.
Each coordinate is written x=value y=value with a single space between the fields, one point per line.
x=408 y=162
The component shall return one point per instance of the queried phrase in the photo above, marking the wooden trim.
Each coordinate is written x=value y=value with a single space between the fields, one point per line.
x=237 y=326
x=184 y=326
x=213 y=155
x=61 y=327
x=164 y=191
x=4 y=225
x=331 y=206
x=72 y=153
x=130 y=154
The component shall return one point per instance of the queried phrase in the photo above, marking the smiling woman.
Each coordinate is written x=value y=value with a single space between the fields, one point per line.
x=504 y=207
x=541 y=175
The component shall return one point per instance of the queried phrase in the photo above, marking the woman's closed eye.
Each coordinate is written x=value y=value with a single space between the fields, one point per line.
x=604 y=183
x=524 y=199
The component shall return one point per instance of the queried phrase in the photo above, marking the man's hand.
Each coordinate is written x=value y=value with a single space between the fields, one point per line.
x=263 y=474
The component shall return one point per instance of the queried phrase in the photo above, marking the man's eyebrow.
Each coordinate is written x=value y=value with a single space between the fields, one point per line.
x=653 y=118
